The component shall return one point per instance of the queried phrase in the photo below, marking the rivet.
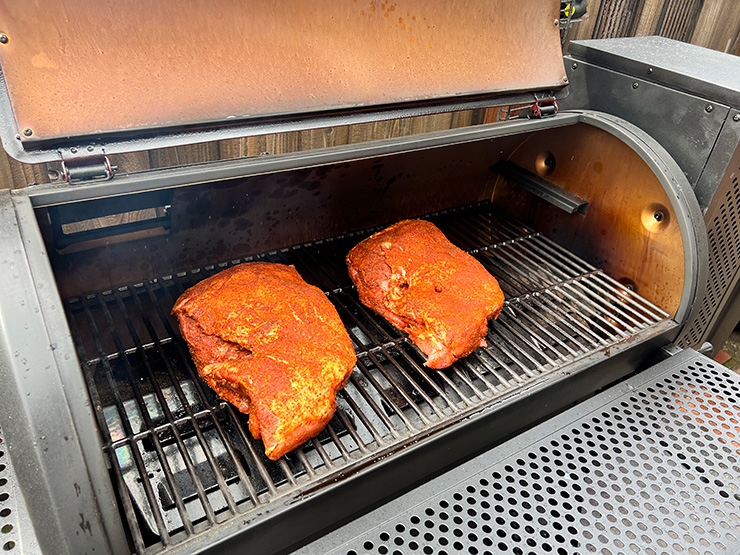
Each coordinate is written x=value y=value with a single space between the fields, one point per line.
x=709 y=108
x=28 y=131
x=73 y=150
x=90 y=148
x=650 y=70
x=635 y=85
x=4 y=38
x=658 y=216
x=574 y=65
x=557 y=22
x=565 y=78
x=736 y=117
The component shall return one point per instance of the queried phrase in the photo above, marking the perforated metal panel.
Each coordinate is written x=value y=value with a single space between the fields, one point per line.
x=14 y=517
x=650 y=466
x=723 y=234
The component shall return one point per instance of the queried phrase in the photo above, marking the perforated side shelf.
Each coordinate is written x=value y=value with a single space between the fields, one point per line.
x=16 y=531
x=650 y=466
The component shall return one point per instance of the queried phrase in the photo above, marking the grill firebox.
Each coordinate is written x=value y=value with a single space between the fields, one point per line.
x=182 y=460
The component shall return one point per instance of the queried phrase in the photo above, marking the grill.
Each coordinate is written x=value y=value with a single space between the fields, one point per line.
x=182 y=459
x=592 y=209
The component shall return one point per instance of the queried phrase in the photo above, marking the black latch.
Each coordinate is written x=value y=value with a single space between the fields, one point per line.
x=91 y=168
x=542 y=108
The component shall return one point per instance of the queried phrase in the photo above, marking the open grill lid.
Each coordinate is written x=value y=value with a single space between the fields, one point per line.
x=123 y=76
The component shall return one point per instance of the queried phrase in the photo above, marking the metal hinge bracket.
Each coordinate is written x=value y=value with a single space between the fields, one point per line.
x=89 y=168
x=542 y=108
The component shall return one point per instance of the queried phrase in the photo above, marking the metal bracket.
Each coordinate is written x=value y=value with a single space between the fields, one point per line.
x=546 y=190
x=91 y=168
x=542 y=108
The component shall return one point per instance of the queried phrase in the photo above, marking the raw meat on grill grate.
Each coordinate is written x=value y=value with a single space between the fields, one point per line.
x=424 y=285
x=272 y=345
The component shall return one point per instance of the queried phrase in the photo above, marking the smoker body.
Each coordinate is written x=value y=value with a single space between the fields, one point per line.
x=396 y=418
x=590 y=223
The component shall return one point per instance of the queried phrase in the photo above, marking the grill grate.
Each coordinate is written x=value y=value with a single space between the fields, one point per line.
x=182 y=459
x=651 y=466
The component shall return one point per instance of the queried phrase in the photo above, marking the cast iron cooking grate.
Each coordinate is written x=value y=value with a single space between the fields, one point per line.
x=183 y=461
x=653 y=468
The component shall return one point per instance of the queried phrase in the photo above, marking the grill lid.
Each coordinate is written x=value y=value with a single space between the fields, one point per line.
x=80 y=73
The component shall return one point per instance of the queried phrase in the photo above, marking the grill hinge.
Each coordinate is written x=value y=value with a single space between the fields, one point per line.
x=542 y=108
x=90 y=168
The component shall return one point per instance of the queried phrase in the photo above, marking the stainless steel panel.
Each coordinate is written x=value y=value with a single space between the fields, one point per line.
x=85 y=69
x=678 y=120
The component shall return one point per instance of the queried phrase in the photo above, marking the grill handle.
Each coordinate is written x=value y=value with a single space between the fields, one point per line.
x=546 y=190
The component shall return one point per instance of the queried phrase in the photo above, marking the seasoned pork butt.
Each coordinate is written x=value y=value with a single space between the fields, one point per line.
x=427 y=287
x=272 y=345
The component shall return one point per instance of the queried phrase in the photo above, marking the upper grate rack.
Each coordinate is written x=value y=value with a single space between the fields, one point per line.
x=183 y=461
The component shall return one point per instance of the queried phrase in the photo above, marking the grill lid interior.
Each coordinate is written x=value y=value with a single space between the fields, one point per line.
x=75 y=72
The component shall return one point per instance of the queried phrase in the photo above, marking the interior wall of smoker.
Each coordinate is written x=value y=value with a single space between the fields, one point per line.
x=226 y=220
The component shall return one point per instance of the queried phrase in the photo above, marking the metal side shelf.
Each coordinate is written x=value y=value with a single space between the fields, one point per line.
x=17 y=534
x=651 y=465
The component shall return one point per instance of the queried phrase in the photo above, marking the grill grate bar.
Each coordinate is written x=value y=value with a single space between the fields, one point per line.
x=368 y=398
x=358 y=317
x=211 y=408
x=184 y=403
x=543 y=254
x=535 y=342
x=516 y=311
x=143 y=410
x=356 y=410
x=164 y=406
x=120 y=484
x=608 y=302
x=128 y=428
x=578 y=297
x=372 y=379
x=646 y=306
x=184 y=362
x=396 y=385
x=542 y=303
x=526 y=345
x=417 y=388
x=559 y=311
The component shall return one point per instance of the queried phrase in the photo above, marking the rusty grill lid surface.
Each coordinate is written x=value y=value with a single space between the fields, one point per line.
x=75 y=69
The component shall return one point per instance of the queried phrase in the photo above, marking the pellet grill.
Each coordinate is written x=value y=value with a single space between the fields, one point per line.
x=611 y=226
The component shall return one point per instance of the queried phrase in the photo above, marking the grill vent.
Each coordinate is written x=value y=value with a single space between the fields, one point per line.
x=653 y=471
x=723 y=234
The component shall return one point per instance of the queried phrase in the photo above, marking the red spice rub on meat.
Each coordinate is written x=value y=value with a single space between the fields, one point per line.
x=424 y=285
x=272 y=345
